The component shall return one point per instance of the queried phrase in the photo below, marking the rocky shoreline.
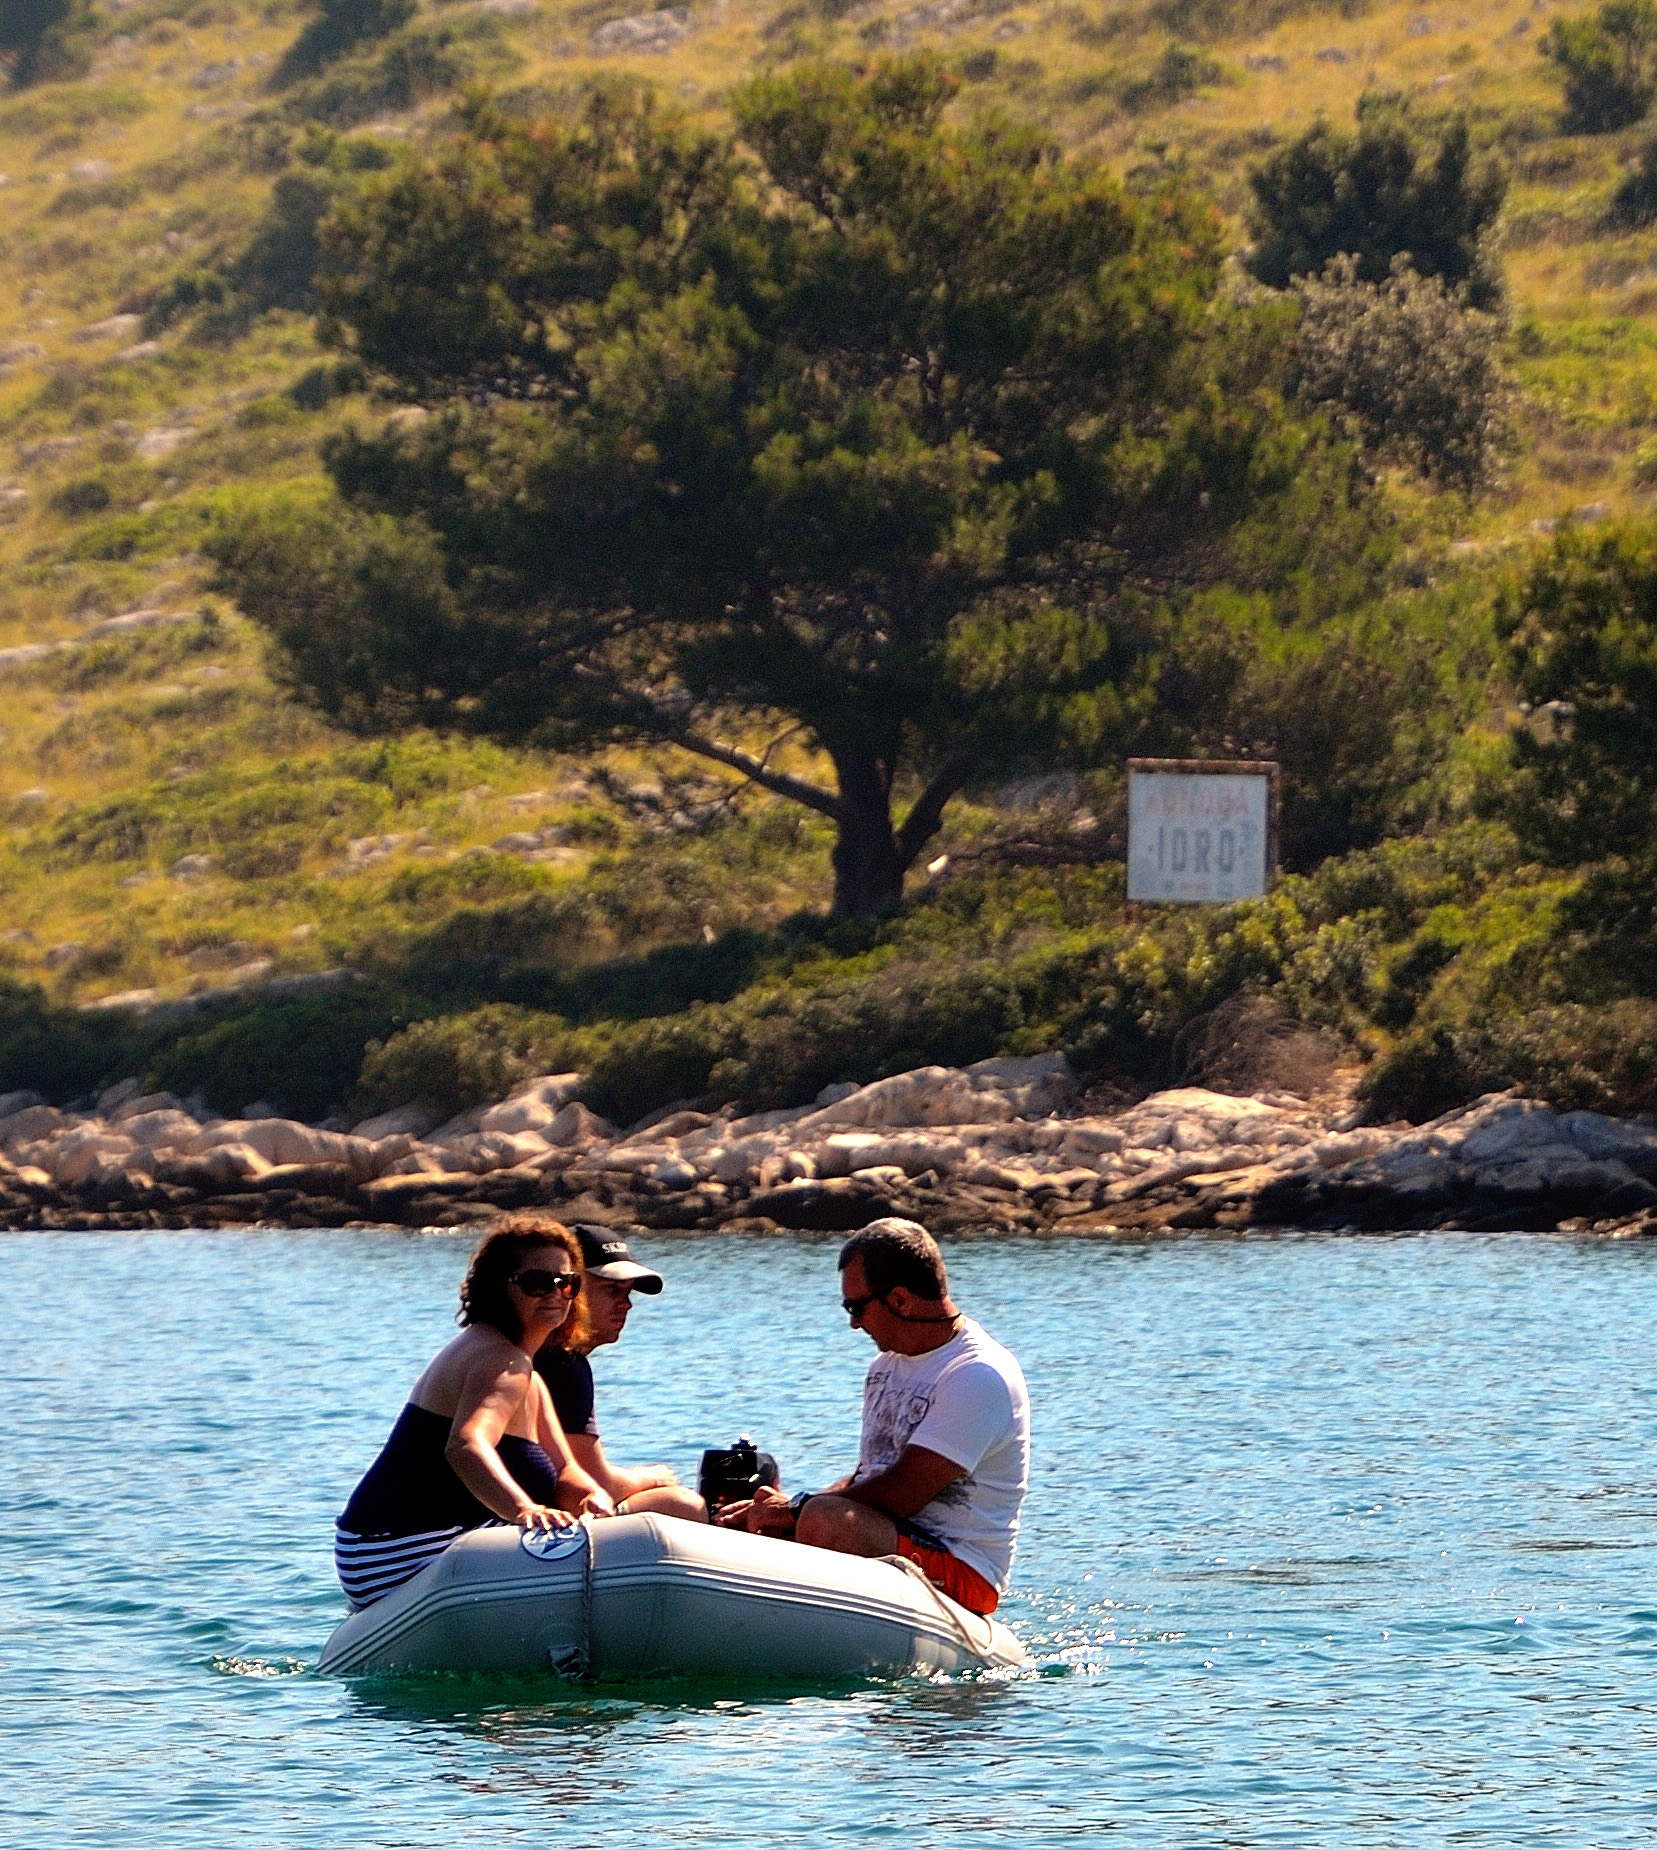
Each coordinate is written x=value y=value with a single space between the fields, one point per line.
x=1004 y=1146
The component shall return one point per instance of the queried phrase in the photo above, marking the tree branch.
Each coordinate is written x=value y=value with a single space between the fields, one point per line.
x=825 y=802
x=926 y=818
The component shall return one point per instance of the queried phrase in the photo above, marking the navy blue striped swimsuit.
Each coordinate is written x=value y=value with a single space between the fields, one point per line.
x=411 y=1505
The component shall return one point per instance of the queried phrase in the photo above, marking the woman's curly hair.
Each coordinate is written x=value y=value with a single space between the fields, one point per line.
x=500 y=1256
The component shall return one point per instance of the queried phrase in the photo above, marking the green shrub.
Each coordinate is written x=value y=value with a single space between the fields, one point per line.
x=60 y=1052
x=1580 y=634
x=340 y=26
x=462 y=1060
x=1417 y=369
x=1609 y=63
x=44 y=40
x=1577 y=1058
x=1179 y=71
x=418 y=62
x=301 y=1054
x=87 y=494
x=1635 y=201
x=1373 y=196
x=277 y=266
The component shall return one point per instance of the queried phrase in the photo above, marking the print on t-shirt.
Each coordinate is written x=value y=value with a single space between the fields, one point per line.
x=966 y=1401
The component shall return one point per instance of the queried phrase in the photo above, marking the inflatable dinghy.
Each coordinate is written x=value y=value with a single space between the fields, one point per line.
x=648 y=1596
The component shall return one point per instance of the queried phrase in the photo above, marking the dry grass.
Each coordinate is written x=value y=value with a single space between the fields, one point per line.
x=115 y=183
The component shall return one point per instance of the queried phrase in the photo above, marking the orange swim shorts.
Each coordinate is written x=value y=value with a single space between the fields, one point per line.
x=965 y=1585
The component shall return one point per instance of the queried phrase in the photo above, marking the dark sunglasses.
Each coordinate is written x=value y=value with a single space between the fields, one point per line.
x=535 y=1283
x=855 y=1307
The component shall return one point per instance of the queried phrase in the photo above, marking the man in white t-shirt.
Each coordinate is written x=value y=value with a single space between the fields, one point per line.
x=945 y=1456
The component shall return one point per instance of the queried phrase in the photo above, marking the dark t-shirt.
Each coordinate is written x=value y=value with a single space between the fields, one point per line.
x=569 y=1380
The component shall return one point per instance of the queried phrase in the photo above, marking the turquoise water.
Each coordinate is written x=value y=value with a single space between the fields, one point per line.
x=1331 y=1542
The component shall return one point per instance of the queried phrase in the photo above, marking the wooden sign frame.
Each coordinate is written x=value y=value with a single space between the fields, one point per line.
x=1215 y=767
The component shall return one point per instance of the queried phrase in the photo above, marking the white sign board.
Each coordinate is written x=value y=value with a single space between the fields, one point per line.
x=1199 y=837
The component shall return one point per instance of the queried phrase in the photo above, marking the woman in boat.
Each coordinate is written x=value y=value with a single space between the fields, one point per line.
x=478 y=1441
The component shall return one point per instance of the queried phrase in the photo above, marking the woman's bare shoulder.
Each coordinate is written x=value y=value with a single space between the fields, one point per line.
x=480 y=1346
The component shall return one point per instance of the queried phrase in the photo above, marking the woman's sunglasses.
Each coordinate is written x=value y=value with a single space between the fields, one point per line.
x=535 y=1283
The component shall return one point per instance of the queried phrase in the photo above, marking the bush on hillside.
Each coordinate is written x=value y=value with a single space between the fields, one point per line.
x=1417 y=369
x=1577 y=1058
x=1178 y=71
x=1374 y=195
x=1609 y=63
x=340 y=26
x=1581 y=640
x=1634 y=203
x=1339 y=703
x=460 y=1061
x=417 y=62
x=299 y=1053
x=61 y=1052
x=43 y=41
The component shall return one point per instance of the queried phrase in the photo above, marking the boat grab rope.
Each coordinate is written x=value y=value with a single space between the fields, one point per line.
x=574 y=1662
x=956 y=1615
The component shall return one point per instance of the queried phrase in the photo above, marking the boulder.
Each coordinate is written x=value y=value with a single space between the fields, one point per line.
x=30 y=1125
x=1503 y=1127
x=788 y=1166
x=160 y=1130
x=280 y=1141
x=575 y=1127
x=329 y=1180
x=655 y=32
x=532 y=1107
x=1087 y=1140
x=405 y=1121
x=86 y=1153
x=221 y=1165
x=141 y=1105
x=1599 y=1137
x=990 y=1092
x=735 y=1162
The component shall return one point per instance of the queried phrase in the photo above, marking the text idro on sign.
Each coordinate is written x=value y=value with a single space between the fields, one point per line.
x=1201 y=831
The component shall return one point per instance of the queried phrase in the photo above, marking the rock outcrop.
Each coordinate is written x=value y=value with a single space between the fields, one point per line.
x=1004 y=1144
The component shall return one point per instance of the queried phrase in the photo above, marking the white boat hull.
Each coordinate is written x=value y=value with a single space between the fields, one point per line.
x=648 y=1596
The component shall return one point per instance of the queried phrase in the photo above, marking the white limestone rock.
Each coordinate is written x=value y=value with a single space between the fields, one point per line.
x=406 y=1120
x=30 y=1125
x=575 y=1127
x=281 y=1141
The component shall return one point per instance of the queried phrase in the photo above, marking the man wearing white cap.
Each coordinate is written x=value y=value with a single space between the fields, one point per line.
x=612 y=1276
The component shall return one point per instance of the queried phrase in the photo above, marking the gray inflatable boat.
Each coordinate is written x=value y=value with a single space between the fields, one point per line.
x=647 y=1596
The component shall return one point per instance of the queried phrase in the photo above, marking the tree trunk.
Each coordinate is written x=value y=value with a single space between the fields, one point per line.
x=868 y=864
x=870 y=856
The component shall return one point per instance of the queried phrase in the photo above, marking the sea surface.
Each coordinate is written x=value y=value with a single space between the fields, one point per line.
x=1331 y=1541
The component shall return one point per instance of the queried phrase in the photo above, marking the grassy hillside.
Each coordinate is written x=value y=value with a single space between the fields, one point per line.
x=176 y=828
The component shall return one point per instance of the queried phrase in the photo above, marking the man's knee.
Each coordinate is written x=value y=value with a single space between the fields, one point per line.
x=846 y=1527
x=671 y=1500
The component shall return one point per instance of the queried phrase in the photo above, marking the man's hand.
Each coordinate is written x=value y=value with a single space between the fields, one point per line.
x=597 y=1502
x=651 y=1477
x=769 y=1513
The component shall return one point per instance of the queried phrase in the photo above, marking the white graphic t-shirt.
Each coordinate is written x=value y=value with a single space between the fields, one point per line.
x=967 y=1402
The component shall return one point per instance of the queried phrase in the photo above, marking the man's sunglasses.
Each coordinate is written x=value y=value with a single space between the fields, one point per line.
x=855 y=1307
x=535 y=1283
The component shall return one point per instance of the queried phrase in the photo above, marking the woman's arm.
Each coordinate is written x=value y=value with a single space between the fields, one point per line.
x=620 y=1480
x=491 y=1397
x=578 y=1490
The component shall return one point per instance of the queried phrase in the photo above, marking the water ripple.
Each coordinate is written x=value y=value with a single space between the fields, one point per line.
x=1330 y=1542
